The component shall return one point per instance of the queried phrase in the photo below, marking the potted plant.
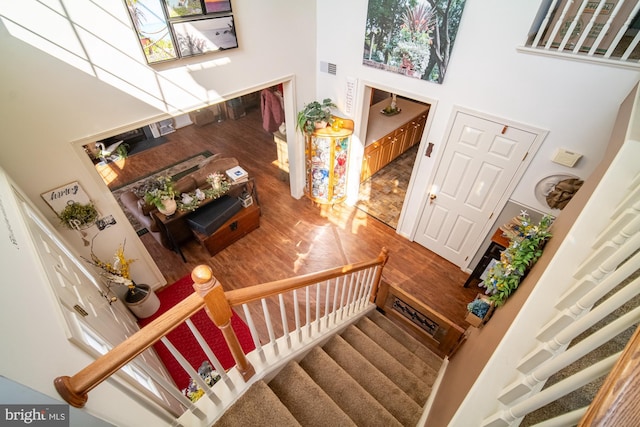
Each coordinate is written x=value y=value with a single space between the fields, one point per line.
x=77 y=216
x=161 y=194
x=479 y=311
x=139 y=297
x=314 y=115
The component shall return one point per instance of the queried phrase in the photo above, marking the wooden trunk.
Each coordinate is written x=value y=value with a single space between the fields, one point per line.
x=242 y=223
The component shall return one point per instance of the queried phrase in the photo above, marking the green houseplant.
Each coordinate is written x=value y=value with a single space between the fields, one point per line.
x=312 y=113
x=161 y=193
x=77 y=215
x=526 y=243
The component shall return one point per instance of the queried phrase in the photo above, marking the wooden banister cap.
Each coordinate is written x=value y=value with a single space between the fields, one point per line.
x=201 y=274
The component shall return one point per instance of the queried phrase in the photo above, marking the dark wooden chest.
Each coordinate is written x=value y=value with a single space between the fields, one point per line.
x=238 y=226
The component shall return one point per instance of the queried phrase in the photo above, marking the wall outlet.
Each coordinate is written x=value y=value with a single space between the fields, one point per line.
x=566 y=157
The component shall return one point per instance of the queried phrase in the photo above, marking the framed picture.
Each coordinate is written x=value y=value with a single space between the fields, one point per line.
x=414 y=40
x=153 y=30
x=182 y=8
x=218 y=6
x=199 y=36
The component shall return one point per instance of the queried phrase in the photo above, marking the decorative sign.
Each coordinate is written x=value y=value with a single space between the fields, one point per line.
x=60 y=197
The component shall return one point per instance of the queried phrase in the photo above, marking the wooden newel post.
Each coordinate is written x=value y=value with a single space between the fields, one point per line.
x=384 y=256
x=220 y=313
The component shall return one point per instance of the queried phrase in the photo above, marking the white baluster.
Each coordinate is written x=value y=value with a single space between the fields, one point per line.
x=543 y=25
x=551 y=366
x=584 y=304
x=254 y=332
x=283 y=317
x=189 y=369
x=209 y=353
x=269 y=324
x=564 y=337
x=546 y=396
x=296 y=313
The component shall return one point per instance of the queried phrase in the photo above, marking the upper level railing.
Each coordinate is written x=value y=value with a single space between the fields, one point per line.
x=314 y=305
x=594 y=30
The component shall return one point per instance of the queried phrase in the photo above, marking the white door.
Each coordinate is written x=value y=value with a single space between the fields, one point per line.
x=93 y=320
x=480 y=161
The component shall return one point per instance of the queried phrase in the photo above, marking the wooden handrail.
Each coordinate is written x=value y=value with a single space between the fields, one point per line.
x=241 y=296
x=617 y=401
x=74 y=389
x=217 y=303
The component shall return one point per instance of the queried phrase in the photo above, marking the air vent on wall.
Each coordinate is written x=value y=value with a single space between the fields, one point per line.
x=328 y=67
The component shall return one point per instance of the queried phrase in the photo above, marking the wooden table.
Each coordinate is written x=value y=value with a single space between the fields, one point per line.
x=498 y=244
x=175 y=226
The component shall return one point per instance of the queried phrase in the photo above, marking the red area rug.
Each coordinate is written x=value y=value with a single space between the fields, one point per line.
x=186 y=343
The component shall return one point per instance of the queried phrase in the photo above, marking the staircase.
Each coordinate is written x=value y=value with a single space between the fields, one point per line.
x=372 y=374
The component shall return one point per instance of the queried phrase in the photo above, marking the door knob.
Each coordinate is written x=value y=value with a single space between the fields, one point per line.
x=432 y=196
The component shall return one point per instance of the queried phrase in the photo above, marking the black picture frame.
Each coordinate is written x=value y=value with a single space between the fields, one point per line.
x=200 y=36
x=183 y=8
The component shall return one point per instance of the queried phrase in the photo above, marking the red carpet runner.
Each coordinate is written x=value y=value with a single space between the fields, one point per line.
x=185 y=342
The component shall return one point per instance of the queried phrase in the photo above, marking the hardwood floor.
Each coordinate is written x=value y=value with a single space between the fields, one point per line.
x=295 y=236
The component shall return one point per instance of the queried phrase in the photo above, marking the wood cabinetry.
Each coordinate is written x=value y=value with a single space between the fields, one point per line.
x=400 y=135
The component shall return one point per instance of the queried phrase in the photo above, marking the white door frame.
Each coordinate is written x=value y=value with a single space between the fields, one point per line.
x=357 y=152
x=541 y=134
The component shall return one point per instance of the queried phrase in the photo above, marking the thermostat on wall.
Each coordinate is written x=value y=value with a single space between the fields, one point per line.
x=566 y=157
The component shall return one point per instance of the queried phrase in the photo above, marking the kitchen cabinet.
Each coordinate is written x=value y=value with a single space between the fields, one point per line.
x=389 y=137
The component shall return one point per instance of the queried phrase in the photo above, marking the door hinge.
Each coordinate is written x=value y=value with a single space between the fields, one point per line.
x=491 y=216
x=81 y=311
x=525 y=156
x=466 y=258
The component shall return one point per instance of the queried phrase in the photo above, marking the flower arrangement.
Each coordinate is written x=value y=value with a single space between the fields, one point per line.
x=117 y=271
x=189 y=202
x=525 y=247
x=478 y=307
x=219 y=185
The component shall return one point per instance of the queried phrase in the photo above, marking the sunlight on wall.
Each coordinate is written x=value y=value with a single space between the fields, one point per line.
x=98 y=39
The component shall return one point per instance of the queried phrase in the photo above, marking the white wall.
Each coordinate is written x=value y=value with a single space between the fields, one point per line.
x=74 y=72
x=575 y=101
x=34 y=347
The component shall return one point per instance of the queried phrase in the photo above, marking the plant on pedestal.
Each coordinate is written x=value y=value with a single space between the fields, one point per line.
x=314 y=115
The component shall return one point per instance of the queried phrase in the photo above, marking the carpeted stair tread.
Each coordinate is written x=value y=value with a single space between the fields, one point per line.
x=413 y=386
x=419 y=367
x=359 y=405
x=259 y=406
x=385 y=391
x=306 y=401
x=404 y=338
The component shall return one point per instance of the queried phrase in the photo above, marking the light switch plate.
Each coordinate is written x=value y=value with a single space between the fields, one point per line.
x=566 y=157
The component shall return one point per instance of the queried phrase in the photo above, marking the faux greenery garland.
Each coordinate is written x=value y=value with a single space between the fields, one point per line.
x=524 y=250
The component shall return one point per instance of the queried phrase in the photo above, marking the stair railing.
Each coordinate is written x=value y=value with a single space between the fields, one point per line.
x=338 y=296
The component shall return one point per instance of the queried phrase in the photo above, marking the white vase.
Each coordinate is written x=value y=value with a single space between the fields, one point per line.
x=169 y=207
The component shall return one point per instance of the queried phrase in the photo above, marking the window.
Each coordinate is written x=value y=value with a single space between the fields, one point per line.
x=173 y=29
x=595 y=30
